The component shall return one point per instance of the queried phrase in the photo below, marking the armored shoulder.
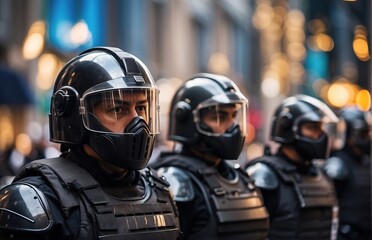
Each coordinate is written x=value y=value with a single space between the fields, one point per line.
x=24 y=208
x=336 y=168
x=264 y=177
x=180 y=183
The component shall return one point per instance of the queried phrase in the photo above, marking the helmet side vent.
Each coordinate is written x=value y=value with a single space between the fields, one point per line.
x=131 y=66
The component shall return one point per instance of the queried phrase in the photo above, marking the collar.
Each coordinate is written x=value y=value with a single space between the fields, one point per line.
x=79 y=156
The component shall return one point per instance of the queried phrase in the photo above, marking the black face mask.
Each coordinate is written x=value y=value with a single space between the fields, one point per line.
x=129 y=151
x=226 y=146
x=310 y=149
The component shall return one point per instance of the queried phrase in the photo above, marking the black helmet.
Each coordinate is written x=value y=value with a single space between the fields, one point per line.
x=297 y=110
x=358 y=126
x=102 y=75
x=197 y=96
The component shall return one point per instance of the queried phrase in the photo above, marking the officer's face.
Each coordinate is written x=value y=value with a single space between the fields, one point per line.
x=221 y=118
x=312 y=130
x=115 y=114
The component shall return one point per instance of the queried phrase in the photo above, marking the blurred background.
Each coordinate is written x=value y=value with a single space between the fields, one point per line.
x=271 y=48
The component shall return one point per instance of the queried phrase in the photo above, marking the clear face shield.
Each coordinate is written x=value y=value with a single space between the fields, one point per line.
x=217 y=115
x=315 y=128
x=109 y=108
x=315 y=136
x=336 y=132
x=334 y=127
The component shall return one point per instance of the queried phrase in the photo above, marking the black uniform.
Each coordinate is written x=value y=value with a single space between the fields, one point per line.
x=105 y=114
x=214 y=202
x=78 y=206
x=352 y=178
x=299 y=199
x=208 y=118
x=350 y=170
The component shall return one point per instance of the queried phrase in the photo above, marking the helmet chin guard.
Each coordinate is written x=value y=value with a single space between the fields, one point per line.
x=228 y=145
x=129 y=151
x=312 y=149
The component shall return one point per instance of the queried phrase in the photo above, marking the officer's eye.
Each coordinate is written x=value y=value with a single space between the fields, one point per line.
x=117 y=109
x=235 y=114
x=141 y=108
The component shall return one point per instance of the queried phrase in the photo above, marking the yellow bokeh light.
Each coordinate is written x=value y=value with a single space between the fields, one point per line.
x=48 y=67
x=360 y=47
x=80 y=33
x=34 y=42
x=296 y=18
x=296 y=51
x=324 y=42
x=33 y=46
x=7 y=128
x=338 y=95
x=363 y=100
x=263 y=16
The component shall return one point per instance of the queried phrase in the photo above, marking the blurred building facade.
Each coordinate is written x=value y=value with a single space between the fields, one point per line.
x=270 y=48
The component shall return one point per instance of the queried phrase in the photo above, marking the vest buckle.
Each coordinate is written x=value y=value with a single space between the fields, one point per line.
x=219 y=191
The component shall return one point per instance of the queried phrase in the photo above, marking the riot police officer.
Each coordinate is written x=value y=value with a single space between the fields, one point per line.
x=350 y=170
x=104 y=112
x=215 y=200
x=299 y=198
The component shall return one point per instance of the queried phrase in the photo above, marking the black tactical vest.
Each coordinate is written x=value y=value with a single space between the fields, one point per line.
x=306 y=202
x=355 y=197
x=236 y=206
x=152 y=216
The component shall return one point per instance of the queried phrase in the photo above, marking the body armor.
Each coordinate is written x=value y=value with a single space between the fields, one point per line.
x=24 y=209
x=354 y=196
x=236 y=207
x=305 y=205
x=151 y=215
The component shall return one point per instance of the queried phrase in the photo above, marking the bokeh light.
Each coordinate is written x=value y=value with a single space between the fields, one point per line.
x=363 y=100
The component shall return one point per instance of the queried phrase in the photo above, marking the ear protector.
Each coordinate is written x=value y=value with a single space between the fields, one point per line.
x=64 y=100
x=182 y=110
x=285 y=120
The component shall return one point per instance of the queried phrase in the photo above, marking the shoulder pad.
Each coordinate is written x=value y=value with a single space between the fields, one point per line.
x=24 y=208
x=336 y=169
x=263 y=176
x=180 y=183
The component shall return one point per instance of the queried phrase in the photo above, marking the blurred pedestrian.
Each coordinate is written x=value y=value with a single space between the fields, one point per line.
x=299 y=198
x=215 y=200
x=350 y=170
x=23 y=151
x=104 y=113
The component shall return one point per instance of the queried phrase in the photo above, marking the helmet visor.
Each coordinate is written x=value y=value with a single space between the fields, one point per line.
x=215 y=116
x=328 y=123
x=110 y=110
